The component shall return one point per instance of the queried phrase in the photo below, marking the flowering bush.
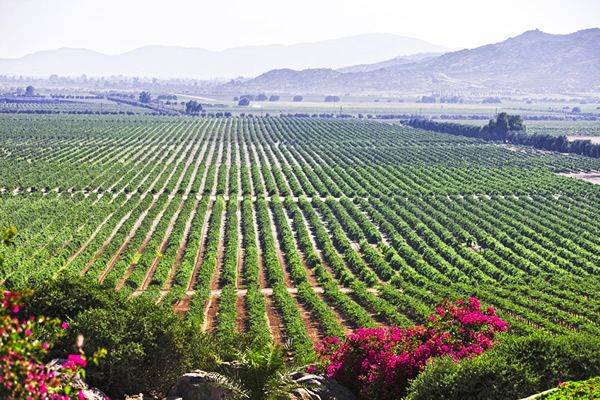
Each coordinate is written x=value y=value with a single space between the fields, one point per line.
x=379 y=362
x=22 y=374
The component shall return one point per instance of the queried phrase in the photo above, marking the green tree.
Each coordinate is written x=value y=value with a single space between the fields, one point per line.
x=145 y=97
x=193 y=107
x=515 y=123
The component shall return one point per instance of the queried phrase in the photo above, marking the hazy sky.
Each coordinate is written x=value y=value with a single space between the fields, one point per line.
x=113 y=26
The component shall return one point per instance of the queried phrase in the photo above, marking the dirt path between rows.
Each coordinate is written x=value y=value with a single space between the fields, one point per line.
x=155 y=197
x=273 y=316
x=190 y=156
x=212 y=305
x=312 y=279
x=167 y=236
x=188 y=225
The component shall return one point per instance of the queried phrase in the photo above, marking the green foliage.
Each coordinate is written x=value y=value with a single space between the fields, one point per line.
x=7 y=239
x=193 y=107
x=148 y=346
x=24 y=344
x=589 y=389
x=516 y=368
x=8 y=235
x=510 y=128
x=145 y=97
x=262 y=373
x=386 y=220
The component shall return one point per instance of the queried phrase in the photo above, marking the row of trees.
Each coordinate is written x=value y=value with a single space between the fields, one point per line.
x=245 y=99
x=510 y=128
x=258 y=97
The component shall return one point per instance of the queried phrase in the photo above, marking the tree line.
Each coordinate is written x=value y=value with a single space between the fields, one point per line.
x=510 y=129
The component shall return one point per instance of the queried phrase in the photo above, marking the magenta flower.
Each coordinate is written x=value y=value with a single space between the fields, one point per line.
x=379 y=362
x=77 y=360
x=23 y=374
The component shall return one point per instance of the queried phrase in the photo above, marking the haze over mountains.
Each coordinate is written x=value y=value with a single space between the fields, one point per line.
x=365 y=64
x=390 y=63
x=533 y=61
x=250 y=61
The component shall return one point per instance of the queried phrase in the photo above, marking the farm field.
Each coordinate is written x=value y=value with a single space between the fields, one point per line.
x=89 y=106
x=374 y=106
x=569 y=128
x=292 y=229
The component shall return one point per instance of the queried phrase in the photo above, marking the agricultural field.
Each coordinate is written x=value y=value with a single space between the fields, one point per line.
x=407 y=106
x=572 y=129
x=292 y=229
x=87 y=106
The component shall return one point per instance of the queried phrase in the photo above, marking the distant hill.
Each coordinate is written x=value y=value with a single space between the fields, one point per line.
x=250 y=61
x=400 y=60
x=533 y=61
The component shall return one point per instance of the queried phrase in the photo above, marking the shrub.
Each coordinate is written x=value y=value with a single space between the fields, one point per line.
x=515 y=368
x=589 y=389
x=149 y=347
x=379 y=362
x=24 y=343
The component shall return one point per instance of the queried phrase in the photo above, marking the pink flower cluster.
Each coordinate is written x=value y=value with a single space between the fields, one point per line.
x=22 y=373
x=379 y=362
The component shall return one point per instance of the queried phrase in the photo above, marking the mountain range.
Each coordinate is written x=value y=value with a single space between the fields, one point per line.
x=400 y=60
x=187 y=62
x=534 y=61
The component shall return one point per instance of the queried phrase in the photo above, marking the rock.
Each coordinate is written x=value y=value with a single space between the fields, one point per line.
x=78 y=383
x=302 y=394
x=94 y=394
x=201 y=385
x=538 y=395
x=318 y=387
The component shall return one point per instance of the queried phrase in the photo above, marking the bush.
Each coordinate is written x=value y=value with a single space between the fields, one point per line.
x=377 y=363
x=24 y=343
x=589 y=389
x=149 y=347
x=515 y=368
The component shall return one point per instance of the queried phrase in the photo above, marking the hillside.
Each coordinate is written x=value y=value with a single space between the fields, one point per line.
x=533 y=61
x=249 y=61
x=400 y=60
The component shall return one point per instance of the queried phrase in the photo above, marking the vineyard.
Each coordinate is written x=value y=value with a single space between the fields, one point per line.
x=55 y=106
x=292 y=229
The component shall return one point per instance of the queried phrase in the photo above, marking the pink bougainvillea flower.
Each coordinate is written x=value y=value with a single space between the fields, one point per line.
x=23 y=373
x=379 y=362
x=77 y=360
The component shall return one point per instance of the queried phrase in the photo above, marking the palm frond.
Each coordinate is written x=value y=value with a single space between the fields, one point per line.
x=232 y=385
